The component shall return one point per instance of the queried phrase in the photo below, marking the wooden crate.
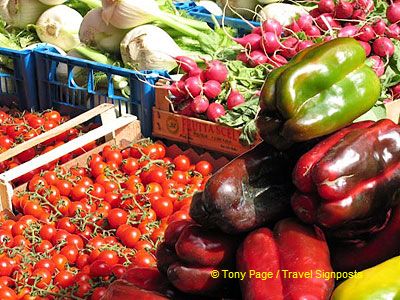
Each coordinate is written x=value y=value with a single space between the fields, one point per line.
x=192 y=131
x=118 y=131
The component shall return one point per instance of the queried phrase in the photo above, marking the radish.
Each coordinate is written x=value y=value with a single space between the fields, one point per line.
x=277 y=60
x=194 y=86
x=359 y=14
x=393 y=13
x=366 y=5
x=314 y=12
x=344 y=10
x=393 y=31
x=270 y=42
x=305 y=22
x=199 y=104
x=383 y=46
x=377 y=65
x=185 y=109
x=195 y=72
x=251 y=41
x=177 y=89
x=212 y=89
x=272 y=25
x=313 y=31
x=325 y=19
x=186 y=63
x=243 y=57
x=328 y=38
x=235 y=98
x=379 y=27
x=304 y=44
x=289 y=49
x=396 y=91
x=257 y=30
x=366 y=46
x=257 y=58
x=216 y=70
x=214 y=111
x=348 y=31
x=326 y=6
x=292 y=27
x=366 y=33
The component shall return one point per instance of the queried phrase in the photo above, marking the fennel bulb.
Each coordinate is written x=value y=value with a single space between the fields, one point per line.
x=52 y=2
x=79 y=75
x=125 y=14
x=96 y=33
x=211 y=6
x=20 y=13
x=149 y=47
x=59 y=26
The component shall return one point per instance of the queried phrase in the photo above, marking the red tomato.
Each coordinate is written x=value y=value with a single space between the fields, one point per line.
x=75 y=240
x=42 y=277
x=64 y=186
x=143 y=259
x=82 y=260
x=110 y=257
x=204 y=168
x=117 y=217
x=6 y=238
x=181 y=162
x=84 y=288
x=47 y=264
x=98 y=293
x=118 y=270
x=6 y=268
x=113 y=155
x=99 y=269
x=144 y=245
x=163 y=207
x=130 y=236
x=52 y=116
x=47 y=232
x=130 y=166
x=6 y=281
x=64 y=279
x=7 y=294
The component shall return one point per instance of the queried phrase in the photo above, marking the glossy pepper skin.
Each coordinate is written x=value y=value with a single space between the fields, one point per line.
x=351 y=176
x=365 y=253
x=322 y=89
x=190 y=253
x=379 y=282
x=290 y=247
x=250 y=191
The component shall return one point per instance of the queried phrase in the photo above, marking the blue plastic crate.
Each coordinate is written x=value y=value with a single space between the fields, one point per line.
x=201 y=13
x=185 y=5
x=65 y=95
x=18 y=85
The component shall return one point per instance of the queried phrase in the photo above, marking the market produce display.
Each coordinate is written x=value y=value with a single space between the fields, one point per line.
x=310 y=212
x=77 y=230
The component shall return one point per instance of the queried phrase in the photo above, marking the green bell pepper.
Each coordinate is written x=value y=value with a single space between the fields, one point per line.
x=324 y=88
x=381 y=282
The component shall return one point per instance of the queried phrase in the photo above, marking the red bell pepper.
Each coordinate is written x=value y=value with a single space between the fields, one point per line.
x=350 y=176
x=293 y=259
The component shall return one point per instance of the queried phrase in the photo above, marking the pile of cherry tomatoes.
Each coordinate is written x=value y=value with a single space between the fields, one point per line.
x=17 y=127
x=77 y=230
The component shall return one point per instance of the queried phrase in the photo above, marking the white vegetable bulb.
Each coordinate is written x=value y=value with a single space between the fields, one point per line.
x=96 y=33
x=59 y=26
x=149 y=47
x=282 y=12
x=20 y=13
x=53 y=2
x=246 y=8
x=126 y=14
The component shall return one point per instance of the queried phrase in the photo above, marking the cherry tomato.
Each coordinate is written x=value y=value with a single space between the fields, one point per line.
x=64 y=279
x=42 y=277
x=143 y=259
x=110 y=257
x=6 y=281
x=113 y=155
x=118 y=270
x=99 y=269
x=163 y=207
x=84 y=288
x=82 y=260
x=130 y=166
x=130 y=236
x=182 y=163
x=6 y=268
x=64 y=186
x=98 y=293
x=52 y=116
x=47 y=264
x=7 y=294
x=6 y=238
x=117 y=217
x=204 y=168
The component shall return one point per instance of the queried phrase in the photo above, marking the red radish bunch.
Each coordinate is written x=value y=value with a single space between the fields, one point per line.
x=195 y=93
